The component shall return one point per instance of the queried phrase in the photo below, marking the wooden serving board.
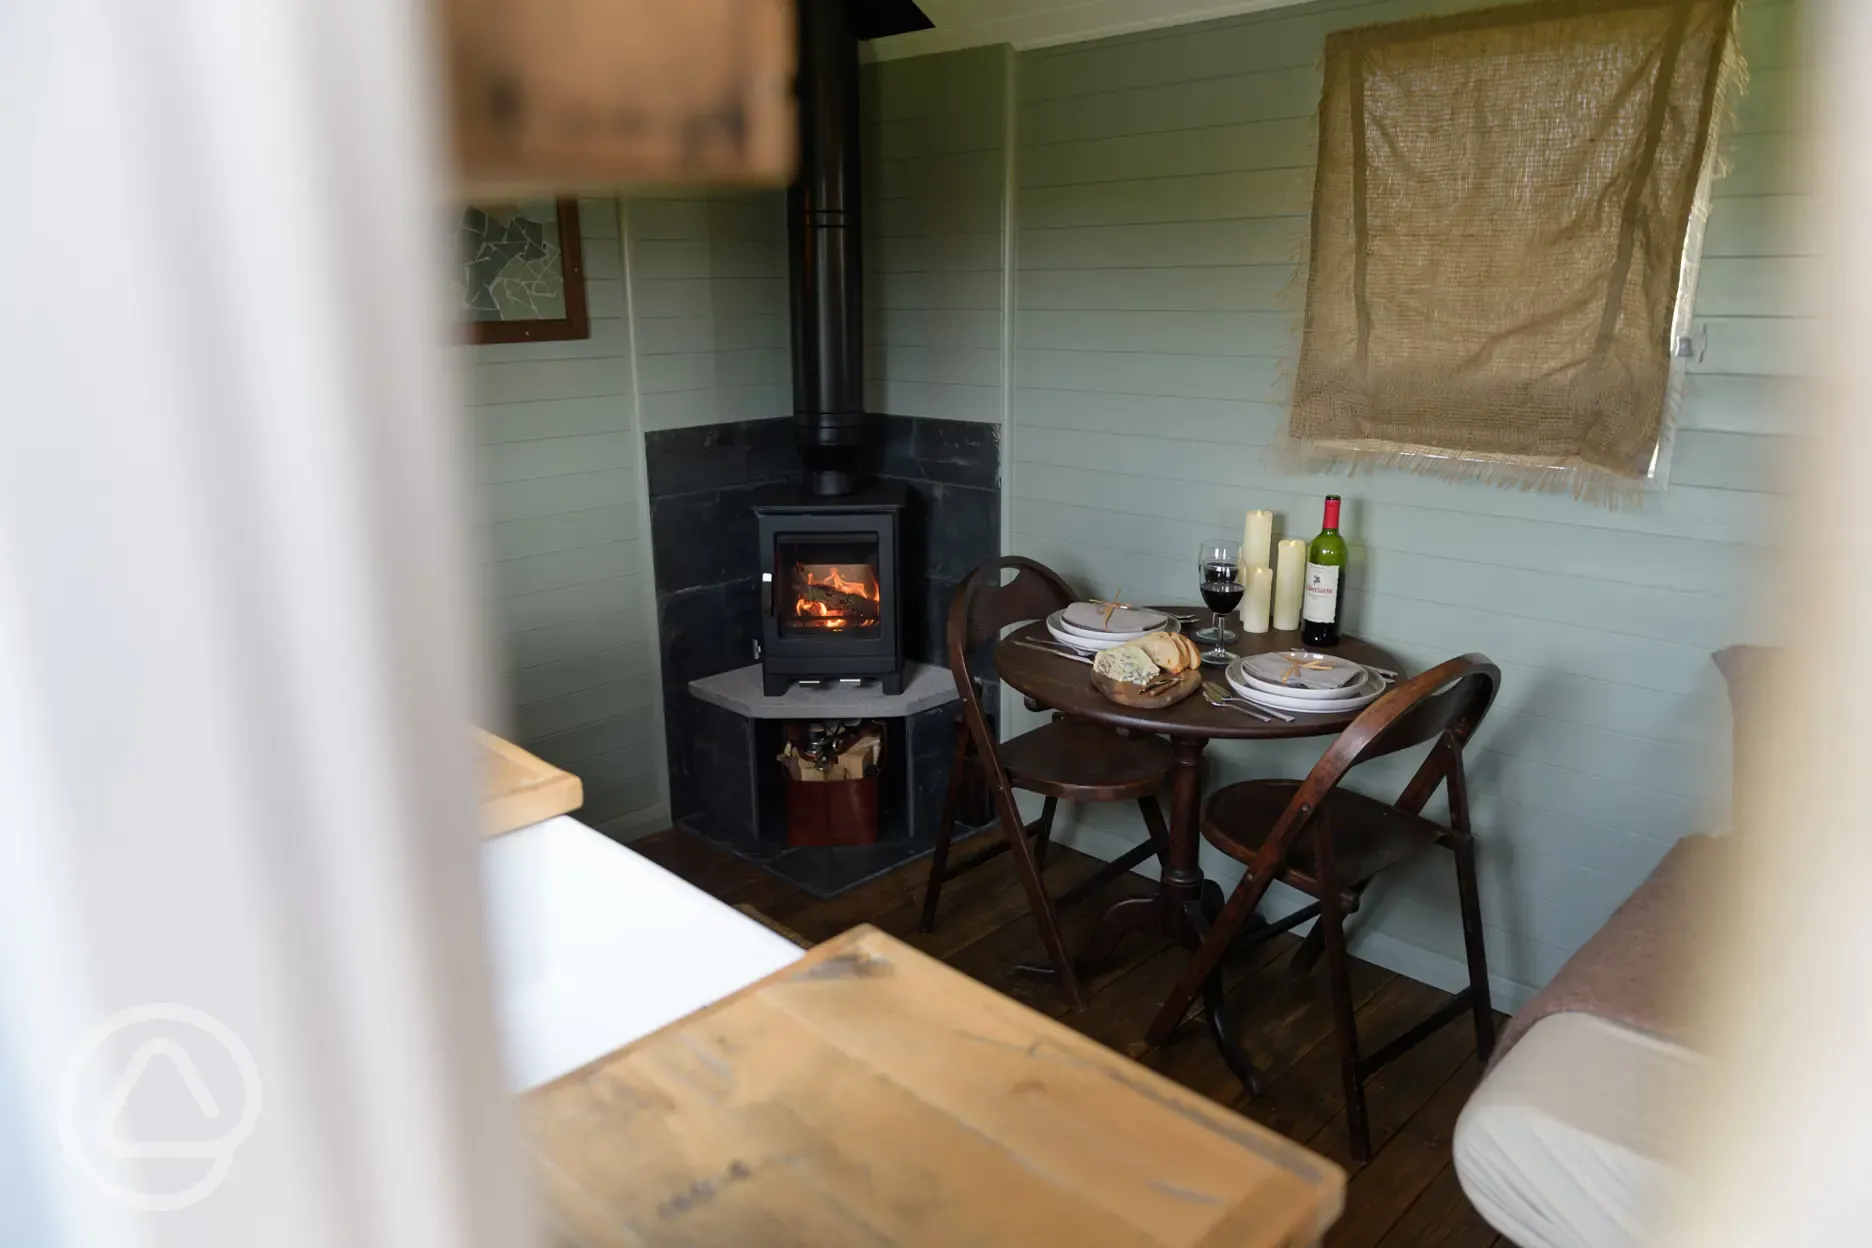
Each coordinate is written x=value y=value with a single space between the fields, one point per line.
x=868 y=1094
x=1125 y=693
x=519 y=788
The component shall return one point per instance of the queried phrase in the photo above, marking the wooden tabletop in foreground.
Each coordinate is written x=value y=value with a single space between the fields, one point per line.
x=868 y=1094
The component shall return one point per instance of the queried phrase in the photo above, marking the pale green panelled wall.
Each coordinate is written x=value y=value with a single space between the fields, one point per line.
x=1162 y=183
x=935 y=143
x=687 y=294
x=566 y=547
x=708 y=277
x=1160 y=186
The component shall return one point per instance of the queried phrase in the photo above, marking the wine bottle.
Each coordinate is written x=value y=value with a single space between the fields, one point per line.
x=1324 y=600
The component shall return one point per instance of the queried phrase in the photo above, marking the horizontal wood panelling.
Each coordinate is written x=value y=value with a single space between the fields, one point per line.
x=548 y=607
x=939 y=400
x=570 y=530
x=550 y=496
x=1601 y=555
x=934 y=249
x=1744 y=517
x=709 y=293
x=577 y=635
x=1265 y=195
x=566 y=563
x=1739 y=404
x=1163 y=187
x=1240 y=47
x=952 y=133
x=714 y=405
x=679 y=335
x=548 y=457
x=1220 y=288
x=559 y=568
x=545 y=681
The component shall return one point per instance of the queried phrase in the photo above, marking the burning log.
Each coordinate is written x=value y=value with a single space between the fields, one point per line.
x=834 y=601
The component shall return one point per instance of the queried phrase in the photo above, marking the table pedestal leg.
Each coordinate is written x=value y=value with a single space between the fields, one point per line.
x=1182 y=906
x=1175 y=910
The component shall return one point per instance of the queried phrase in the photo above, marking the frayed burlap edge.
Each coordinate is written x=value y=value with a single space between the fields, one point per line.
x=1589 y=483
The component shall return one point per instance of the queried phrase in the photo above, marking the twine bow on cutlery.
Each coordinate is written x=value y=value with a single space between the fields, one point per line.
x=1110 y=605
x=1296 y=666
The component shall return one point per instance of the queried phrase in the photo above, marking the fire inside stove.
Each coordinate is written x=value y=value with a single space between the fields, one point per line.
x=835 y=597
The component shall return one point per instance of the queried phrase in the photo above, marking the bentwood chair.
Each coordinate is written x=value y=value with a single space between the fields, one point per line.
x=1330 y=843
x=1064 y=759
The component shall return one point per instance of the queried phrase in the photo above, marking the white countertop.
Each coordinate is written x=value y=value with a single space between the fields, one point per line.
x=594 y=946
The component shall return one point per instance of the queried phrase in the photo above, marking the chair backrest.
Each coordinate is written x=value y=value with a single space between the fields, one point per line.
x=1445 y=704
x=981 y=608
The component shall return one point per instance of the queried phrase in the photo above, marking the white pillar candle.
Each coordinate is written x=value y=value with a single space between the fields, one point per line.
x=1289 y=583
x=1257 y=533
x=1259 y=599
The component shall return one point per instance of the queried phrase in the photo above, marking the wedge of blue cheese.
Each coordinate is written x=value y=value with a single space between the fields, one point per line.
x=1128 y=662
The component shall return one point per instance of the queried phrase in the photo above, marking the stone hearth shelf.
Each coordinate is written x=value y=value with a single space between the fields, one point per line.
x=737 y=735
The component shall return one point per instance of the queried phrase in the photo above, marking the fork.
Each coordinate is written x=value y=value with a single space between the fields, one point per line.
x=1215 y=697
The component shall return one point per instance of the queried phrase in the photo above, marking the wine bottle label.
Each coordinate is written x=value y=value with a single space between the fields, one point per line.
x=1321 y=604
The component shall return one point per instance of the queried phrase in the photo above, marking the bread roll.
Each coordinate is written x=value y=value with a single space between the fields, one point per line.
x=1173 y=652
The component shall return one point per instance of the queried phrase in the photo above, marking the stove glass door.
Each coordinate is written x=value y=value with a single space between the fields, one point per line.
x=826 y=586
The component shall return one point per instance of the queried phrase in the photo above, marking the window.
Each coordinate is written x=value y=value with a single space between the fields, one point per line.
x=1507 y=211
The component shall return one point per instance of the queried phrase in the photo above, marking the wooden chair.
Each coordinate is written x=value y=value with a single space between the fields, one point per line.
x=1069 y=759
x=1330 y=843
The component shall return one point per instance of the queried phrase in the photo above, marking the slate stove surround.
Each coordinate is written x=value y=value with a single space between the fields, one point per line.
x=831 y=586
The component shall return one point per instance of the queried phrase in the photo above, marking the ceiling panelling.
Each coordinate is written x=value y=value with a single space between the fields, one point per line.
x=1041 y=23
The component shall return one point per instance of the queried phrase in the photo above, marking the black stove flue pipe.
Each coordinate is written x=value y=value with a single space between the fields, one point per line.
x=836 y=436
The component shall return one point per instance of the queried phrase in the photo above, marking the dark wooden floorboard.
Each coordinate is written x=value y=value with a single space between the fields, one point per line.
x=1406 y=1197
x=1401 y=1170
x=1442 y=1218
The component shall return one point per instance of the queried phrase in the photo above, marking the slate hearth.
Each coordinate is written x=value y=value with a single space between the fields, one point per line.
x=702 y=481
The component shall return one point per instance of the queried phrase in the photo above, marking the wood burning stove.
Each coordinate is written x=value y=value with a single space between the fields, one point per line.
x=830 y=566
x=831 y=575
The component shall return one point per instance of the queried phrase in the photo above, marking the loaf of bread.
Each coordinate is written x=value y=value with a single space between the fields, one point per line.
x=1129 y=662
x=1171 y=652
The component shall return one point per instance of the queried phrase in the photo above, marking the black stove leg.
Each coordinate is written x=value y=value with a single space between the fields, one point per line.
x=892 y=683
x=774 y=686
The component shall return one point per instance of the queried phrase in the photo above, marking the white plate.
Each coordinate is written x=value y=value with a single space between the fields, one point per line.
x=1305 y=695
x=1076 y=642
x=1360 y=696
x=1122 y=621
x=1351 y=675
x=1093 y=634
x=1085 y=639
x=1083 y=644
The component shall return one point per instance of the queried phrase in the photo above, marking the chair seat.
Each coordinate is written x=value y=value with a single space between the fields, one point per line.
x=1368 y=836
x=1085 y=762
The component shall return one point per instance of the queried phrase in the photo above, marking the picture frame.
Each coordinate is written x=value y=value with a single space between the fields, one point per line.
x=518 y=258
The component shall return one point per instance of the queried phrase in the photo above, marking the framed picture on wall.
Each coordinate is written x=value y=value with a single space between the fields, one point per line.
x=522 y=278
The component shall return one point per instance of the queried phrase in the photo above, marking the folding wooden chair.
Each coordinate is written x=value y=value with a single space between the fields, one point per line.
x=1064 y=759
x=1329 y=843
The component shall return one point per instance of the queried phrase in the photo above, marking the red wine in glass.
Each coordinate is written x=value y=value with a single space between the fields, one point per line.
x=1222 y=597
x=1218 y=563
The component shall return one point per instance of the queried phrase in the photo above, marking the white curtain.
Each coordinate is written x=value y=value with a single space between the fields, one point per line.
x=236 y=641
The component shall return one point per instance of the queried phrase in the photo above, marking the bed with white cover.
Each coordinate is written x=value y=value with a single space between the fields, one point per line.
x=1569 y=1141
x=1573 y=1138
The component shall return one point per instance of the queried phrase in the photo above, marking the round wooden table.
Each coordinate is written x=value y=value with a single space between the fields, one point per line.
x=1177 y=908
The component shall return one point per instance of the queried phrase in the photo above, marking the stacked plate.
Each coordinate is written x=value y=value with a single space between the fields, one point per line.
x=1085 y=627
x=1300 y=680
